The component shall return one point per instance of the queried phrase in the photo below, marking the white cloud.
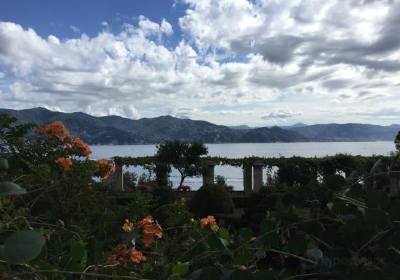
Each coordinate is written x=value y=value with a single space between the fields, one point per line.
x=322 y=58
x=75 y=29
x=280 y=115
x=2 y=75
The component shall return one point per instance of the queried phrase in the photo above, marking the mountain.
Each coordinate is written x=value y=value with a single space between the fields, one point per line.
x=118 y=130
x=244 y=126
x=348 y=132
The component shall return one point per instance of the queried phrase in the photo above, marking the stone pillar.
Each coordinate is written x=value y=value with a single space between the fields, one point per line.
x=208 y=173
x=162 y=174
x=247 y=179
x=258 y=175
x=119 y=177
x=394 y=185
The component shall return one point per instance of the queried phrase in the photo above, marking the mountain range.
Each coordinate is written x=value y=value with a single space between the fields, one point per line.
x=119 y=130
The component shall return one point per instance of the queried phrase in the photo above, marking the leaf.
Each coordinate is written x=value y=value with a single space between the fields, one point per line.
x=77 y=249
x=394 y=212
x=265 y=275
x=372 y=274
x=376 y=219
x=22 y=247
x=243 y=259
x=266 y=226
x=297 y=244
x=339 y=208
x=377 y=199
x=9 y=188
x=391 y=270
x=241 y=274
x=3 y=163
x=246 y=233
x=224 y=233
x=207 y=273
x=180 y=269
x=334 y=182
x=268 y=240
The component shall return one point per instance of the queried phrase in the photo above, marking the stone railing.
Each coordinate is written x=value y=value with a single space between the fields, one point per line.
x=253 y=169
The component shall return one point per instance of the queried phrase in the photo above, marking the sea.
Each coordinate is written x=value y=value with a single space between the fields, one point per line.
x=234 y=175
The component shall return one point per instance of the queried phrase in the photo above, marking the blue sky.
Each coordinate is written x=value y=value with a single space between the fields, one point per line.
x=231 y=62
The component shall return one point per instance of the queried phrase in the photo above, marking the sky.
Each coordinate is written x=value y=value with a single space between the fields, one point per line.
x=230 y=62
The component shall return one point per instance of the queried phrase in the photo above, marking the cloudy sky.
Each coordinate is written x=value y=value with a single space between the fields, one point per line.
x=256 y=62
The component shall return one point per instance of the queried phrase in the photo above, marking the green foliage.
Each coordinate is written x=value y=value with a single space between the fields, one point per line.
x=22 y=247
x=321 y=230
x=220 y=180
x=182 y=156
x=211 y=199
x=172 y=215
x=163 y=195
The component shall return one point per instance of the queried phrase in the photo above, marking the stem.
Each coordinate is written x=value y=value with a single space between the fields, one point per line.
x=55 y=271
x=286 y=254
x=312 y=275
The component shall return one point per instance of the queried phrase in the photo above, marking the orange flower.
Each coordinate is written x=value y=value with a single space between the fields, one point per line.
x=122 y=249
x=209 y=221
x=77 y=147
x=127 y=227
x=137 y=256
x=147 y=239
x=104 y=168
x=150 y=229
x=112 y=259
x=204 y=222
x=145 y=221
x=65 y=163
x=53 y=130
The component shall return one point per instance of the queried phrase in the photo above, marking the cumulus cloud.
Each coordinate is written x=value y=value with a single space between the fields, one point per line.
x=331 y=56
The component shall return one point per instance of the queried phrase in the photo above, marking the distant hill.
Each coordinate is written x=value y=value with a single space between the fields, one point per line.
x=118 y=130
x=348 y=132
x=244 y=126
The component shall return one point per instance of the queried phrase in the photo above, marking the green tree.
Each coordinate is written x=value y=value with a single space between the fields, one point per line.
x=182 y=156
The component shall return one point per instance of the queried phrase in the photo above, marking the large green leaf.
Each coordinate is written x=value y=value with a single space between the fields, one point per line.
x=180 y=269
x=207 y=273
x=9 y=188
x=377 y=199
x=22 y=247
x=392 y=270
x=3 y=163
x=77 y=249
x=245 y=233
x=376 y=219
x=240 y=274
x=297 y=244
x=372 y=274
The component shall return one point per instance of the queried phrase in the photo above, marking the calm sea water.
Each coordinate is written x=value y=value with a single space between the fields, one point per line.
x=234 y=175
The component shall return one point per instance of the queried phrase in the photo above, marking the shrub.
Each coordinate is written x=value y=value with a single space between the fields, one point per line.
x=220 y=180
x=266 y=190
x=172 y=215
x=211 y=199
x=163 y=195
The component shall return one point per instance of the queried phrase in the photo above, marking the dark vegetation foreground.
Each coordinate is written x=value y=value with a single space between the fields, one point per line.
x=61 y=217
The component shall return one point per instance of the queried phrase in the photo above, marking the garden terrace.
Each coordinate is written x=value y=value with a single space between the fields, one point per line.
x=290 y=170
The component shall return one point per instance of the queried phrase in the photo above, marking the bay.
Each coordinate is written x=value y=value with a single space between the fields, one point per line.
x=234 y=175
